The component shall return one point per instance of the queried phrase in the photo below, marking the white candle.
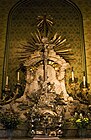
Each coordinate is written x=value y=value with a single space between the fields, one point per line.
x=72 y=75
x=18 y=75
x=7 y=81
x=84 y=81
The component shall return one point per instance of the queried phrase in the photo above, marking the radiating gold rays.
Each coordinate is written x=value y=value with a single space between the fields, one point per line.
x=36 y=40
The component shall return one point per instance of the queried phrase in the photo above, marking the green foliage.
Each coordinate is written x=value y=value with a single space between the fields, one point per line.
x=80 y=121
x=9 y=120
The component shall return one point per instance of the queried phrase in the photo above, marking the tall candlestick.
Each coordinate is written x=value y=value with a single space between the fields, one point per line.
x=84 y=79
x=72 y=75
x=7 y=81
x=18 y=76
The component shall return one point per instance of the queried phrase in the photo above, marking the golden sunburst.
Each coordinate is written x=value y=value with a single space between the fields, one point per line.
x=36 y=41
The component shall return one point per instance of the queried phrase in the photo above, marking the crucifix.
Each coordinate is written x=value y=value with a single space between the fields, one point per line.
x=44 y=23
x=45 y=55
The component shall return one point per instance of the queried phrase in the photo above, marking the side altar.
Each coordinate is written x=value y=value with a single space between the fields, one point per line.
x=43 y=104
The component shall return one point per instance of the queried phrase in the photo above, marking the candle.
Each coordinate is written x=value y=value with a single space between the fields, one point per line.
x=84 y=80
x=72 y=75
x=7 y=81
x=18 y=75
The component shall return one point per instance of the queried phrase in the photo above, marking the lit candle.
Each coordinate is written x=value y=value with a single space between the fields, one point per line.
x=18 y=76
x=72 y=75
x=84 y=80
x=7 y=81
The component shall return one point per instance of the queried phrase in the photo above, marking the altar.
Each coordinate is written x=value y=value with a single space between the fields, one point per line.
x=41 y=106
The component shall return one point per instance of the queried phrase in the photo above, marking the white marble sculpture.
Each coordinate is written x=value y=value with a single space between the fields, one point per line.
x=52 y=70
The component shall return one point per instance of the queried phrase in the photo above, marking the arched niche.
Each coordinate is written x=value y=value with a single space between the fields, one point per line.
x=22 y=21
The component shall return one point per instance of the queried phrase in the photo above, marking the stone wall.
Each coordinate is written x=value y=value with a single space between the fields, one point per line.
x=5 y=7
x=84 y=6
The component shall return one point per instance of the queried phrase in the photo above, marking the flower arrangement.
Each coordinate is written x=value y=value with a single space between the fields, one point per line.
x=80 y=121
x=9 y=119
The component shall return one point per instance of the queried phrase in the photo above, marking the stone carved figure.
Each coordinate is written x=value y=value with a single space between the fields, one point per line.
x=54 y=73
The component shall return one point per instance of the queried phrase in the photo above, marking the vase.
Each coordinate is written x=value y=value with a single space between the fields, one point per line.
x=82 y=132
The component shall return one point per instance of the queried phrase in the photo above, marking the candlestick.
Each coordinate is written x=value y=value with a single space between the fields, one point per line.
x=72 y=75
x=7 y=81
